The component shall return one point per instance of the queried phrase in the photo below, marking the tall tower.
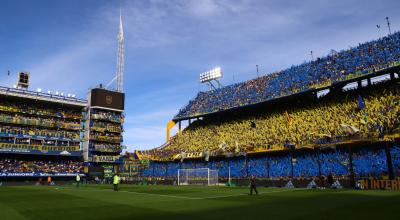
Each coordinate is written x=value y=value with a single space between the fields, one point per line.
x=120 y=56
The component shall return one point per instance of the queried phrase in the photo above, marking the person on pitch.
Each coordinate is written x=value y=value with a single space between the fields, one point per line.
x=78 y=179
x=49 y=180
x=116 y=182
x=253 y=185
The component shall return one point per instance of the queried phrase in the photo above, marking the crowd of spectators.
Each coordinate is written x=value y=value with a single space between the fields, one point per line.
x=39 y=166
x=37 y=125
x=334 y=162
x=258 y=166
x=42 y=122
x=106 y=132
x=376 y=162
x=107 y=116
x=101 y=126
x=103 y=147
x=299 y=126
x=305 y=165
x=12 y=130
x=280 y=166
x=395 y=153
x=337 y=66
x=367 y=162
x=106 y=137
x=39 y=110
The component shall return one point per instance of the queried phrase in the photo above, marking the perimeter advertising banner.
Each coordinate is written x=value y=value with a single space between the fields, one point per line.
x=37 y=137
x=38 y=174
x=108 y=171
x=379 y=184
x=107 y=99
x=40 y=152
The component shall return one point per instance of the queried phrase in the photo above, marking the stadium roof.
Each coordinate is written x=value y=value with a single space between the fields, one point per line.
x=21 y=93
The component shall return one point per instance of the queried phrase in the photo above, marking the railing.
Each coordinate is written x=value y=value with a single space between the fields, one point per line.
x=38 y=122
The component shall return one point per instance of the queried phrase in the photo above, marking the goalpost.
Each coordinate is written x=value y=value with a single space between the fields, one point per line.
x=199 y=176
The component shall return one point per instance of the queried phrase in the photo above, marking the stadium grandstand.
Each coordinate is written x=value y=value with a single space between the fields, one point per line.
x=40 y=135
x=50 y=135
x=336 y=117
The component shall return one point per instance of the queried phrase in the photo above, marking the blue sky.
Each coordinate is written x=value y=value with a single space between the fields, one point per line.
x=70 y=46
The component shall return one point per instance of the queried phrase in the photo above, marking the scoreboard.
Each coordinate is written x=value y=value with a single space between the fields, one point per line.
x=107 y=99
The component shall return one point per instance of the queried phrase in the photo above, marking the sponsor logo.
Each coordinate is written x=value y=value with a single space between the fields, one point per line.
x=109 y=99
x=379 y=184
x=37 y=174
x=65 y=153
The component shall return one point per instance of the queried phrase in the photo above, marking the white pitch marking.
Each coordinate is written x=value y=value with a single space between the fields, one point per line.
x=152 y=194
x=246 y=194
x=194 y=198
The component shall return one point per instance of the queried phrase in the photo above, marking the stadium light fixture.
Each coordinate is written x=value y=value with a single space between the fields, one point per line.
x=48 y=91
x=69 y=95
x=213 y=74
x=39 y=90
x=73 y=95
x=56 y=92
x=62 y=94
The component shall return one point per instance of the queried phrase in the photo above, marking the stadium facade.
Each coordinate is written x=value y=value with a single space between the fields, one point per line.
x=43 y=134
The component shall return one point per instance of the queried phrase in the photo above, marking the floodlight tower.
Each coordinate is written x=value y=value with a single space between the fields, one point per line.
x=120 y=57
x=212 y=76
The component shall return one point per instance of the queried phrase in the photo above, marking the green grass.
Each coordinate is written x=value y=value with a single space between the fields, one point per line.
x=193 y=202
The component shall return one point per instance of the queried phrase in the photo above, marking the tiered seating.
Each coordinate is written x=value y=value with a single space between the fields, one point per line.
x=39 y=166
x=368 y=161
x=298 y=126
x=360 y=60
x=26 y=124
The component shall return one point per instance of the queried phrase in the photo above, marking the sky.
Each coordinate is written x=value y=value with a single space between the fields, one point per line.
x=70 y=46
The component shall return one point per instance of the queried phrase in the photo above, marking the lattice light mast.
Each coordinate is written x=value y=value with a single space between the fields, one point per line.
x=120 y=57
x=212 y=76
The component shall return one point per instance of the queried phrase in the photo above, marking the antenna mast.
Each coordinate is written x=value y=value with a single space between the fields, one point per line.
x=120 y=56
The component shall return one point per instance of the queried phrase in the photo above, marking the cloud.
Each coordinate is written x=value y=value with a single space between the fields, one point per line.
x=143 y=137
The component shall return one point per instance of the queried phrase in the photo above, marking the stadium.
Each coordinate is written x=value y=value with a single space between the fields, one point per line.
x=317 y=140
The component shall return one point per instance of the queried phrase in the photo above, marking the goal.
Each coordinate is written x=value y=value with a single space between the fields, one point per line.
x=199 y=176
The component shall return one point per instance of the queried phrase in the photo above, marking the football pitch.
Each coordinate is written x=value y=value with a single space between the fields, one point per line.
x=193 y=202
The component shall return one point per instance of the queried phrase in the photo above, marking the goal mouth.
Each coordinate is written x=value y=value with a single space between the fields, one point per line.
x=198 y=176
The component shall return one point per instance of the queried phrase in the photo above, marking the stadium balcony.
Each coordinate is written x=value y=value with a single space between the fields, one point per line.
x=108 y=117
x=39 y=110
x=38 y=122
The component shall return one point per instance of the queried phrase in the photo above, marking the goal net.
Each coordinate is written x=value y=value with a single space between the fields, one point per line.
x=200 y=176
